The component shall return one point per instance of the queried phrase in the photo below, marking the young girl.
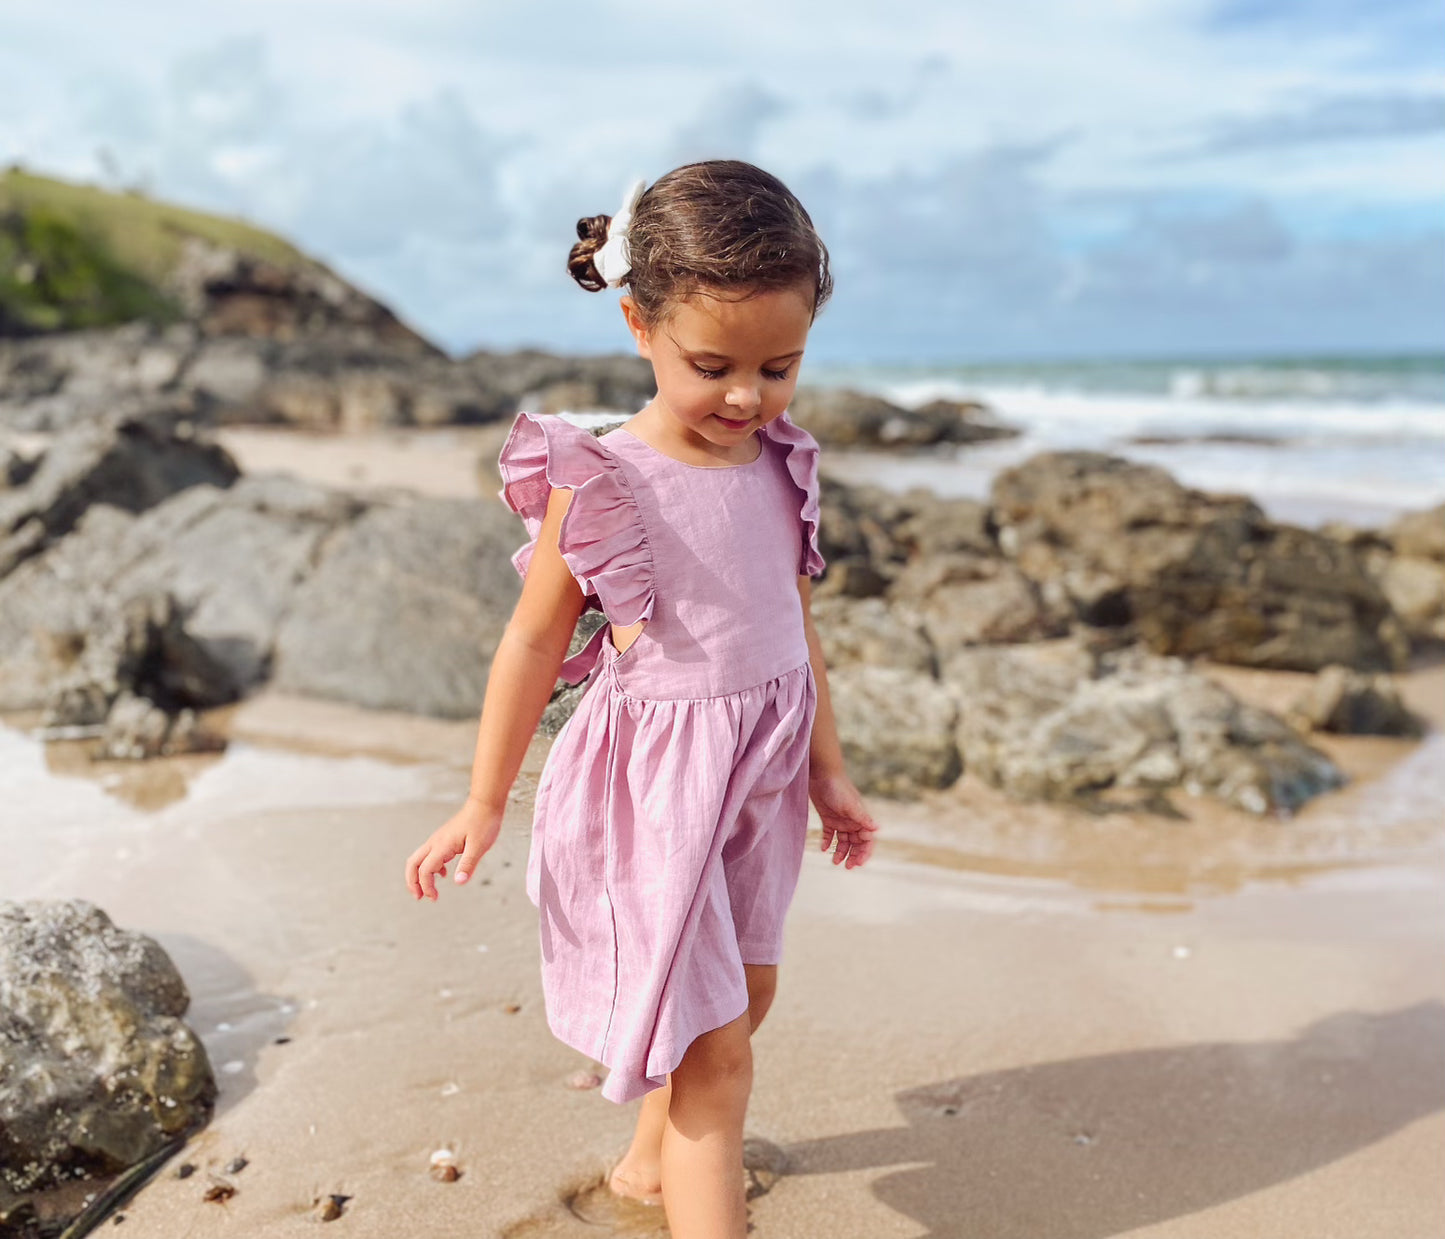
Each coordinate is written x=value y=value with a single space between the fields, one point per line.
x=672 y=808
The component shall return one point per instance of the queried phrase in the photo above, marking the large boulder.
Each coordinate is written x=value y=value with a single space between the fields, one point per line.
x=896 y=729
x=1052 y=724
x=97 y=1069
x=130 y=461
x=871 y=632
x=230 y=558
x=1408 y=561
x=404 y=608
x=840 y=417
x=140 y=678
x=1125 y=544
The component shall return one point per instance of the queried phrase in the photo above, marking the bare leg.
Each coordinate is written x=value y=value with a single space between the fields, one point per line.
x=639 y=1174
x=702 y=1144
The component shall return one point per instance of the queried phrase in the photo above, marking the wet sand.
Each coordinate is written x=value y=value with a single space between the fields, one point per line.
x=1018 y=1021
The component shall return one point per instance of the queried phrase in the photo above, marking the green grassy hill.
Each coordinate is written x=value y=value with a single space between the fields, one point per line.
x=75 y=256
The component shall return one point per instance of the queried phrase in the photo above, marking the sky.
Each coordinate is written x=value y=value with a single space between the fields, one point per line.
x=1036 y=179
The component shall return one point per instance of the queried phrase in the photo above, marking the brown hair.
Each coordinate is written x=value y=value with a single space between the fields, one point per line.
x=721 y=224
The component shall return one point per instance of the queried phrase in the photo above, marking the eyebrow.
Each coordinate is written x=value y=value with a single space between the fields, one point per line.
x=706 y=356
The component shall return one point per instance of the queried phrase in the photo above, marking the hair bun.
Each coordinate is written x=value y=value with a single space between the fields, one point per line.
x=592 y=229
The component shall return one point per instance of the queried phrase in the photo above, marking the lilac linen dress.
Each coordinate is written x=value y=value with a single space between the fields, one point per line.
x=672 y=809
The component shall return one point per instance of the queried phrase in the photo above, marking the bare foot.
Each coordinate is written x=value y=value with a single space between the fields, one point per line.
x=637 y=1178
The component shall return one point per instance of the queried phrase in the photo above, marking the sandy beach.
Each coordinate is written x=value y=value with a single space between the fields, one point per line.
x=1019 y=1021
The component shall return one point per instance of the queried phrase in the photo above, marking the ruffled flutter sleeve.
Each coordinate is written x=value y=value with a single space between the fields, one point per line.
x=601 y=538
x=802 y=461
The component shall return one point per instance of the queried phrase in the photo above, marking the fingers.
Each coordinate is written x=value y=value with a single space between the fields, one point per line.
x=422 y=873
x=471 y=854
x=827 y=837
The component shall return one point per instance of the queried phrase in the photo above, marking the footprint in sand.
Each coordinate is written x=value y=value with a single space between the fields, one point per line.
x=592 y=1208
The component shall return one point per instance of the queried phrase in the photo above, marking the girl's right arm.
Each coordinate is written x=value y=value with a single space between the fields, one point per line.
x=524 y=670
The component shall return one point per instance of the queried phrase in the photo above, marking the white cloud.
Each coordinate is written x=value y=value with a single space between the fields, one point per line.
x=987 y=176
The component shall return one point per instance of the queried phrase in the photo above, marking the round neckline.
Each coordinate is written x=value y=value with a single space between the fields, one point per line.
x=687 y=464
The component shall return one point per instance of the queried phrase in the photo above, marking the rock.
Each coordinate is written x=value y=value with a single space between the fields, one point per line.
x=870 y=536
x=871 y=632
x=230 y=558
x=966 y=600
x=404 y=608
x=97 y=1069
x=1048 y=724
x=136 y=728
x=838 y=417
x=1124 y=543
x=131 y=463
x=1408 y=562
x=142 y=650
x=228 y=291
x=16 y=468
x=1344 y=701
x=896 y=728
x=1415 y=589
x=1420 y=535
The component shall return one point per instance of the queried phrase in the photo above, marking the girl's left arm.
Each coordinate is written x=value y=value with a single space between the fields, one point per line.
x=844 y=816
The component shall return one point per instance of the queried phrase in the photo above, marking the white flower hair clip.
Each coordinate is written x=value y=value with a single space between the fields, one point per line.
x=613 y=259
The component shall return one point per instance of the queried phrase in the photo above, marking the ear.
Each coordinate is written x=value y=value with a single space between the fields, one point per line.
x=636 y=326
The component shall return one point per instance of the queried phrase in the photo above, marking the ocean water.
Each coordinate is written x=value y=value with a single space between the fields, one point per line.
x=1348 y=439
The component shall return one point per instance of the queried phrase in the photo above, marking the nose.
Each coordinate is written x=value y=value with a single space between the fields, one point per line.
x=745 y=397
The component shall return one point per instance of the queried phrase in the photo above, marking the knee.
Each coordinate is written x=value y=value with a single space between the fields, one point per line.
x=720 y=1061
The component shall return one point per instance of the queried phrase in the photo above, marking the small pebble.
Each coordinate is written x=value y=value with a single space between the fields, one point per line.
x=117 y=1219
x=185 y=1170
x=1182 y=952
x=511 y=1008
x=445 y=1173
x=218 y=1193
x=583 y=1080
x=331 y=1208
x=281 y=1041
x=233 y=1067
x=236 y=1165
x=451 y=1089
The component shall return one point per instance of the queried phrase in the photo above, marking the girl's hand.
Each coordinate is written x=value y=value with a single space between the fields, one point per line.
x=845 y=818
x=469 y=834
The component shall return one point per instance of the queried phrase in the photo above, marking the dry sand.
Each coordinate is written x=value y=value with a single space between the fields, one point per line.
x=1018 y=1022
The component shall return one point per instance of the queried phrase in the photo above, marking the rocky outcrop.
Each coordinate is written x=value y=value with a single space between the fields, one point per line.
x=403 y=608
x=127 y=461
x=1054 y=724
x=896 y=726
x=839 y=417
x=326 y=381
x=138 y=677
x=1125 y=544
x=1352 y=704
x=385 y=600
x=97 y=1069
x=231 y=558
x=1408 y=561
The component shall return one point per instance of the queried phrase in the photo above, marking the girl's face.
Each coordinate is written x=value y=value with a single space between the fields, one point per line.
x=725 y=366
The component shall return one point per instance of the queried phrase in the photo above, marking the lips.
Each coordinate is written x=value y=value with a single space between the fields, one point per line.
x=736 y=424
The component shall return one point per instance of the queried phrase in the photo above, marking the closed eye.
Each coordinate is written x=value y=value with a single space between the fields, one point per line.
x=777 y=375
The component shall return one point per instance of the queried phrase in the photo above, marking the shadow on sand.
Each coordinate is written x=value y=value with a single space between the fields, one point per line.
x=1094 y=1147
